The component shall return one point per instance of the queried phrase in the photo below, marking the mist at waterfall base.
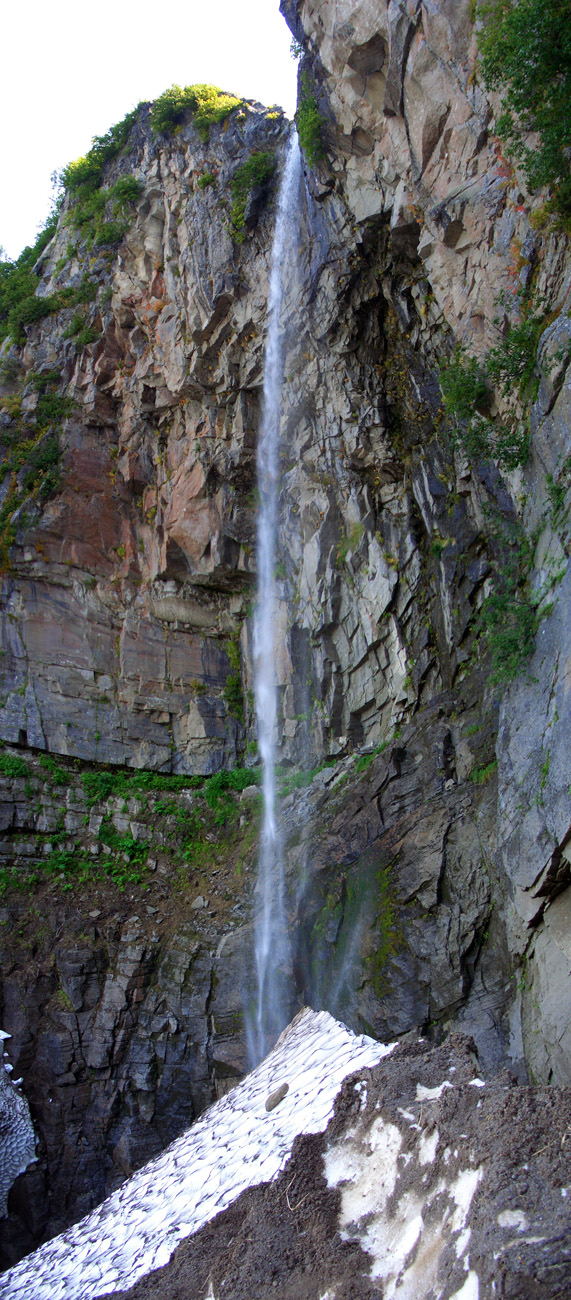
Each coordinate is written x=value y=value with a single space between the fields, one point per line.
x=271 y=938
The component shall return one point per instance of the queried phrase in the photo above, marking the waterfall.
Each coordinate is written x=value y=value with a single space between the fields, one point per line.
x=271 y=942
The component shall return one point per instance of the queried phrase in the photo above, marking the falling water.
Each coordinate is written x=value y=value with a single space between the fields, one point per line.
x=271 y=942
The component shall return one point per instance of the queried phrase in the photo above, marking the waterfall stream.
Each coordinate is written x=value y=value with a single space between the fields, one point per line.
x=271 y=943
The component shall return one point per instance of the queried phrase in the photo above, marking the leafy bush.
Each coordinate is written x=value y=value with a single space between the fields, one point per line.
x=18 y=281
x=511 y=622
x=526 y=57
x=109 y=233
x=513 y=360
x=466 y=384
x=99 y=786
x=366 y=759
x=309 y=124
x=482 y=774
x=125 y=191
x=57 y=775
x=510 y=615
x=51 y=409
x=208 y=105
x=12 y=766
x=234 y=697
x=257 y=170
x=463 y=385
x=86 y=173
x=81 y=332
x=44 y=458
x=205 y=180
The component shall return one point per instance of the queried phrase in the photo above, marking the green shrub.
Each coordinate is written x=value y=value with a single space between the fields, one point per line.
x=43 y=467
x=89 y=334
x=466 y=383
x=51 y=409
x=510 y=621
x=43 y=379
x=18 y=281
x=207 y=104
x=510 y=615
x=463 y=385
x=87 y=172
x=257 y=170
x=482 y=774
x=309 y=124
x=234 y=696
x=513 y=360
x=12 y=766
x=526 y=56
x=57 y=774
x=205 y=180
x=109 y=233
x=366 y=759
x=125 y=191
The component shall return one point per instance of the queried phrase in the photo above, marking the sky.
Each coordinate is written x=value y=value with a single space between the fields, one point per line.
x=72 y=69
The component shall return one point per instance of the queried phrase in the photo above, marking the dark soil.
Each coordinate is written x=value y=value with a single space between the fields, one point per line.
x=282 y=1239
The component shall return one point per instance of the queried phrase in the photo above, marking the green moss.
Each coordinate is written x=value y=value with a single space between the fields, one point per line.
x=309 y=124
x=482 y=774
x=257 y=170
x=388 y=932
x=366 y=759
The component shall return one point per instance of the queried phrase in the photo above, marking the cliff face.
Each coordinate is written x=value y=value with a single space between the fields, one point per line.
x=451 y=241
x=124 y=590
x=425 y=887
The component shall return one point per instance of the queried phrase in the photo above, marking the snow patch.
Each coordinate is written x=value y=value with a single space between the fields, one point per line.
x=406 y=1243
x=513 y=1219
x=470 y=1290
x=431 y=1094
x=234 y=1145
x=427 y=1147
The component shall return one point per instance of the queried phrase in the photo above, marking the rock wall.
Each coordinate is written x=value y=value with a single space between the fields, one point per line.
x=448 y=235
x=423 y=889
x=124 y=590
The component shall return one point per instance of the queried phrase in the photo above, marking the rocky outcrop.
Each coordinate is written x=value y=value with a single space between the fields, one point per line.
x=17 y=1137
x=124 y=590
x=121 y=1001
x=411 y=149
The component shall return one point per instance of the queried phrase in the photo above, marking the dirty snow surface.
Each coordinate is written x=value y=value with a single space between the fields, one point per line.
x=236 y=1144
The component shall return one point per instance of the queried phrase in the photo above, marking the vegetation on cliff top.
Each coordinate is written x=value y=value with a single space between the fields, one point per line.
x=207 y=104
x=526 y=56
x=101 y=214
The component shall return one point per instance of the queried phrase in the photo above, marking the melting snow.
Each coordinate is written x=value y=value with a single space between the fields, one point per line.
x=236 y=1144
x=431 y=1094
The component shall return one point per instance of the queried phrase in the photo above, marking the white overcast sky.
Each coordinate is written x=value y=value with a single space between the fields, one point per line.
x=71 y=69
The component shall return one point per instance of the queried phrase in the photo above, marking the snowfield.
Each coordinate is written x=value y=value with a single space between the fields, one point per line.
x=235 y=1144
